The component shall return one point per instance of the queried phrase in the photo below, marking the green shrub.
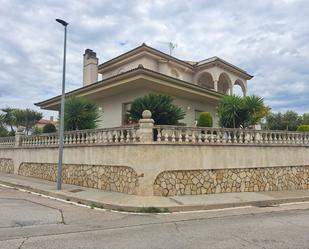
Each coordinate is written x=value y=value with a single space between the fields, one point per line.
x=49 y=128
x=304 y=128
x=205 y=120
x=150 y=210
x=37 y=131
x=3 y=131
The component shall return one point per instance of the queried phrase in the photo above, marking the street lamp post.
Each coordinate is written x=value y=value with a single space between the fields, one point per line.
x=59 y=175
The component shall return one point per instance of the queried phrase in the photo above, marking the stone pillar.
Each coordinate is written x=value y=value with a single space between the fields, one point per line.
x=18 y=135
x=146 y=127
x=216 y=85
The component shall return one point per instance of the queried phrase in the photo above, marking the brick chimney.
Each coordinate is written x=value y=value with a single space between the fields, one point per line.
x=90 y=73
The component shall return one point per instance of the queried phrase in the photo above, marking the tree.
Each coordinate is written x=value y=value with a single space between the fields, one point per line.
x=235 y=111
x=229 y=111
x=274 y=121
x=26 y=118
x=205 y=120
x=9 y=118
x=289 y=120
x=305 y=118
x=3 y=130
x=164 y=112
x=37 y=131
x=80 y=114
x=49 y=128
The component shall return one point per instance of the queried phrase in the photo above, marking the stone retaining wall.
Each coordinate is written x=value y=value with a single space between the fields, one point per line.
x=111 y=178
x=6 y=165
x=194 y=182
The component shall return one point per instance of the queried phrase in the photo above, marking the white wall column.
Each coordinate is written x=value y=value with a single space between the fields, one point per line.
x=216 y=85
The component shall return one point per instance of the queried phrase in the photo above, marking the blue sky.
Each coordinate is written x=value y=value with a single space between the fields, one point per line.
x=269 y=39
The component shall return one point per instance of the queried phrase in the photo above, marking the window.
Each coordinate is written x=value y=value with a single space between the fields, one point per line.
x=125 y=113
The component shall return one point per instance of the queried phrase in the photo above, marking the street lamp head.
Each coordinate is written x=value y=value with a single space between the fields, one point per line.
x=64 y=23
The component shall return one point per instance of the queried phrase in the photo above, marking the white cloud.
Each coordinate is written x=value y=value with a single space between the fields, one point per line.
x=269 y=39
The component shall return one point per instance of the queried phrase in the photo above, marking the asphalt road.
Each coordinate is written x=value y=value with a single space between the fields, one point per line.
x=32 y=221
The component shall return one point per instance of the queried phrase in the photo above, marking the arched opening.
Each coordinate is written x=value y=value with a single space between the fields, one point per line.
x=224 y=83
x=239 y=88
x=206 y=80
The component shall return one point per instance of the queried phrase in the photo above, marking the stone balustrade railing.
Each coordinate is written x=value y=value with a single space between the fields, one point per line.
x=147 y=132
x=160 y=134
x=81 y=137
x=7 y=141
x=179 y=134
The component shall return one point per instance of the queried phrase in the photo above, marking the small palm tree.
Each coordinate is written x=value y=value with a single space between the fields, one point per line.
x=235 y=111
x=164 y=112
x=80 y=114
x=9 y=118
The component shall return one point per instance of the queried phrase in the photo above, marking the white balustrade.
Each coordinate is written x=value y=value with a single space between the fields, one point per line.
x=162 y=134
x=7 y=141
x=199 y=135
x=117 y=135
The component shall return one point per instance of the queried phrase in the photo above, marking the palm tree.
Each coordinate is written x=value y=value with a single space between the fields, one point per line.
x=164 y=112
x=235 y=111
x=80 y=114
x=9 y=118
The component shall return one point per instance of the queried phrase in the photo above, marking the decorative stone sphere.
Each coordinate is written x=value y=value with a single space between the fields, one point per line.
x=146 y=114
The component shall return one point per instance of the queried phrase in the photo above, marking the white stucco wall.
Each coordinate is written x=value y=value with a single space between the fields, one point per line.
x=161 y=66
x=148 y=63
x=111 y=113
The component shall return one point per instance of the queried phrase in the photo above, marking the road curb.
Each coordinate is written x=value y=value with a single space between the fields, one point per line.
x=180 y=208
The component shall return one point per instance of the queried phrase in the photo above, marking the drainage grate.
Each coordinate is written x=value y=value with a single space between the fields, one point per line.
x=76 y=190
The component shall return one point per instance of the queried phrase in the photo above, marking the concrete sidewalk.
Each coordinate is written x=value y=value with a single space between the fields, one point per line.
x=125 y=202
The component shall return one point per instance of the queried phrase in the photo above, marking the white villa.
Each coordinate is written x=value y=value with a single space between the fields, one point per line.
x=195 y=86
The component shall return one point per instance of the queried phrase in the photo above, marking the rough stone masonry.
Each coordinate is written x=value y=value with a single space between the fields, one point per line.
x=111 y=178
x=195 y=182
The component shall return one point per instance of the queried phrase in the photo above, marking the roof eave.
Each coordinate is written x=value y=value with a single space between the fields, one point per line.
x=132 y=72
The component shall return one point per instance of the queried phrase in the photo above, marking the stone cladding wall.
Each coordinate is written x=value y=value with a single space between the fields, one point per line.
x=111 y=178
x=195 y=182
x=6 y=165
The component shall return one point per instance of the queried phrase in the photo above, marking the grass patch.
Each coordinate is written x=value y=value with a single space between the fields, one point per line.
x=166 y=210
x=94 y=205
x=153 y=210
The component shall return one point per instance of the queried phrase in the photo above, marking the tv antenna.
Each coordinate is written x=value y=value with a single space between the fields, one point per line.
x=171 y=46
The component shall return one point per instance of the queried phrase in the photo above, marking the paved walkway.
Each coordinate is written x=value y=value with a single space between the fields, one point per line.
x=119 y=201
